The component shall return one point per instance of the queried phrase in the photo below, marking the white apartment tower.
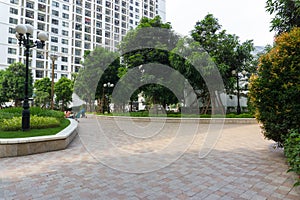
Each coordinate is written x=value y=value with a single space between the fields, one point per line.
x=73 y=26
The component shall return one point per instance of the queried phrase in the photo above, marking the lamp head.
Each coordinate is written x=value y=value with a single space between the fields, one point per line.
x=21 y=29
x=29 y=29
x=42 y=36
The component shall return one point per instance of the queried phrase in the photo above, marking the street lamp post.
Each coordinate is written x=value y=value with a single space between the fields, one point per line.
x=23 y=33
x=236 y=74
x=53 y=58
x=106 y=85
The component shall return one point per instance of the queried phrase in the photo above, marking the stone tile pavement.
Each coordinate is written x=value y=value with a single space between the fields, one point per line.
x=241 y=166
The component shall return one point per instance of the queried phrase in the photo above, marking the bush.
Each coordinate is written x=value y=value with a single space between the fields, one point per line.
x=274 y=91
x=292 y=152
x=36 y=122
x=37 y=111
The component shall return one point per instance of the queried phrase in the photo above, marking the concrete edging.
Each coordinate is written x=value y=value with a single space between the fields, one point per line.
x=32 y=145
x=186 y=120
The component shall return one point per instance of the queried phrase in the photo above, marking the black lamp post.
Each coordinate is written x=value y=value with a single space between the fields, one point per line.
x=23 y=33
x=236 y=74
x=106 y=85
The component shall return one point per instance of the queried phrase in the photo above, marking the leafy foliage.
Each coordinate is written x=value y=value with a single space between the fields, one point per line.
x=13 y=82
x=292 y=152
x=63 y=90
x=42 y=91
x=36 y=122
x=274 y=91
x=287 y=14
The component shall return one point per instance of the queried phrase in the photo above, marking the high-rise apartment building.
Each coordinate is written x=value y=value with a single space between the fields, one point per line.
x=73 y=26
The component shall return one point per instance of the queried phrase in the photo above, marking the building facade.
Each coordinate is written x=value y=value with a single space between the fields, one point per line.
x=73 y=26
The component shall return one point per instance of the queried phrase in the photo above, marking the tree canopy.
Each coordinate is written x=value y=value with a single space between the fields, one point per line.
x=286 y=14
x=274 y=91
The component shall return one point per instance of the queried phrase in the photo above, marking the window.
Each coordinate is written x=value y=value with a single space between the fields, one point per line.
x=55 y=13
x=54 y=48
x=29 y=4
x=107 y=19
x=64 y=75
x=43 y=1
x=41 y=7
x=99 y=16
x=78 y=43
x=98 y=24
x=99 y=9
x=64 y=41
x=107 y=4
x=98 y=39
x=77 y=69
x=12 y=51
x=65 y=24
x=77 y=60
x=64 y=50
x=41 y=17
x=107 y=34
x=12 y=30
x=39 y=64
x=77 y=52
x=12 y=40
x=137 y=3
x=65 y=7
x=54 y=21
x=55 y=75
x=107 y=11
x=29 y=14
x=65 y=15
x=55 y=4
x=13 y=21
x=55 y=66
x=78 y=35
x=87 y=45
x=98 y=31
x=14 y=1
x=65 y=33
x=54 y=39
x=130 y=8
x=39 y=74
x=78 y=19
x=54 y=30
x=64 y=59
x=87 y=29
x=79 y=2
x=40 y=54
x=78 y=27
x=11 y=60
x=87 y=37
x=41 y=26
x=131 y=21
x=13 y=11
x=78 y=10
x=64 y=68
x=137 y=10
x=87 y=13
x=88 y=5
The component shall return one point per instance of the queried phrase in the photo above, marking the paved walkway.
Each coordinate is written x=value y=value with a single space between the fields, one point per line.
x=241 y=166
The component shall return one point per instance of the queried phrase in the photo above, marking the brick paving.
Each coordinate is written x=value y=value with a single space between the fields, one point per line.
x=241 y=166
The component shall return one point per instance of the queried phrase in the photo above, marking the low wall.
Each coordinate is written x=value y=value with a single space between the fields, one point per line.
x=187 y=120
x=39 y=144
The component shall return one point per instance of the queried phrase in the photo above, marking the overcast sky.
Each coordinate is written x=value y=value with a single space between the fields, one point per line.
x=245 y=18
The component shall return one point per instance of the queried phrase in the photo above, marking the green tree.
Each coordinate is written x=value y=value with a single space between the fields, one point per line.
x=42 y=91
x=63 y=90
x=100 y=66
x=13 y=83
x=150 y=42
x=225 y=49
x=3 y=96
x=286 y=14
x=274 y=91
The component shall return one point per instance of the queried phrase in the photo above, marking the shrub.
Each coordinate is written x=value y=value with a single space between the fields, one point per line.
x=274 y=91
x=37 y=111
x=292 y=152
x=36 y=122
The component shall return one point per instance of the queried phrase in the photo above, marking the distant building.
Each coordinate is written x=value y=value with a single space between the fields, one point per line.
x=73 y=27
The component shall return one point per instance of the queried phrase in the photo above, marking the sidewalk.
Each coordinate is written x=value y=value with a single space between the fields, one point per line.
x=241 y=166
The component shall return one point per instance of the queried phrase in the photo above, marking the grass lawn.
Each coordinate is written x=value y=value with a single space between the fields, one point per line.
x=35 y=132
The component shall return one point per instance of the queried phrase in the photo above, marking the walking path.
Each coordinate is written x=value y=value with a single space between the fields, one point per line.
x=241 y=166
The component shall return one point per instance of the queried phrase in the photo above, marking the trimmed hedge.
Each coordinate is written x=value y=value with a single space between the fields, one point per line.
x=36 y=122
x=292 y=153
